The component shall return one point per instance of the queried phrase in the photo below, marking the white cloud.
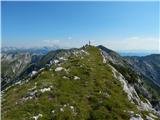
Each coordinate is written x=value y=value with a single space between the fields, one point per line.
x=133 y=43
x=124 y=44
x=64 y=43
x=51 y=42
x=133 y=38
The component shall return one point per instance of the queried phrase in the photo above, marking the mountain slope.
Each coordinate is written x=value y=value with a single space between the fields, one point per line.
x=143 y=85
x=111 y=55
x=77 y=85
x=13 y=64
x=146 y=66
x=19 y=64
x=149 y=66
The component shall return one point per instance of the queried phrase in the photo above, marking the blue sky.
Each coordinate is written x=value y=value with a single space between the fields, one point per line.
x=117 y=25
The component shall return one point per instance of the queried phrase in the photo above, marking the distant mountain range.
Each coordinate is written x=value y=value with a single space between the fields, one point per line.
x=46 y=49
x=89 y=83
x=32 y=50
x=136 y=53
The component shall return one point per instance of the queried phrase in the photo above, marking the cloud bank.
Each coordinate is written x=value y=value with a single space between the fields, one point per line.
x=133 y=43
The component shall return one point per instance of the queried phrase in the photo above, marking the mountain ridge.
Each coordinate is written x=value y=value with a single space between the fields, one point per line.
x=87 y=74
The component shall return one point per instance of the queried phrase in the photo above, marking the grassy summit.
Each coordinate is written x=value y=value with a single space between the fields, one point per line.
x=80 y=87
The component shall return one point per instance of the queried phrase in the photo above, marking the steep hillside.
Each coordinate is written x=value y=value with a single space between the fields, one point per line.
x=18 y=64
x=111 y=55
x=13 y=64
x=17 y=61
x=142 y=84
x=149 y=66
x=78 y=84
